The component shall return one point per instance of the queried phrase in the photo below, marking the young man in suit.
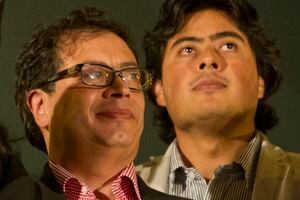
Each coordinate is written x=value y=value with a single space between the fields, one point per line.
x=215 y=70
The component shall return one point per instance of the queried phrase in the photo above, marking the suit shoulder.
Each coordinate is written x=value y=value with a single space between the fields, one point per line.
x=294 y=158
x=152 y=162
x=23 y=188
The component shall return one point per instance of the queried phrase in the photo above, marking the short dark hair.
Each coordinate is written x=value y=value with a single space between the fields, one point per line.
x=39 y=59
x=173 y=17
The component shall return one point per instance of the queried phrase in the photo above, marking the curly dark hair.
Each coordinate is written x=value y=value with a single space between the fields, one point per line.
x=39 y=59
x=173 y=16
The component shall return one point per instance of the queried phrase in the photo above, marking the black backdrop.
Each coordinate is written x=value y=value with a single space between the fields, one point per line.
x=21 y=16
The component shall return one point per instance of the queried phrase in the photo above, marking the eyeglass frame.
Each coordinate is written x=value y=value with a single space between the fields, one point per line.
x=78 y=69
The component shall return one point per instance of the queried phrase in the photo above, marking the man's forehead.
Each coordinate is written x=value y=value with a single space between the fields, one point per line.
x=196 y=15
x=191 y=26
x=81 y=47
x=70 y=41
x=74 y=37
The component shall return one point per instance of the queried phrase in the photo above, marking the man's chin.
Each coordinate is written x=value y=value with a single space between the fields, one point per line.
x=114 y=140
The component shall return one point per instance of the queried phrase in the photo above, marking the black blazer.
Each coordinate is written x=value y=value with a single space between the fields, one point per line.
x=11 y=168
x=16 y=184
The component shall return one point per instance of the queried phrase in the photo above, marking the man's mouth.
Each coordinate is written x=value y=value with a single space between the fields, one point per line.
x=116 y=113
x=209 y=85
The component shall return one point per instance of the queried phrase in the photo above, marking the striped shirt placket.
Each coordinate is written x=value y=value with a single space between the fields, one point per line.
x=234 y=181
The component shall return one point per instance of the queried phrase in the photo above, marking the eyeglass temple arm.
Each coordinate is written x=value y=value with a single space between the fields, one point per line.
x=64 y=73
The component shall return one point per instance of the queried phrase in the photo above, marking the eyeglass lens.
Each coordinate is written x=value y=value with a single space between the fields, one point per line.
x=99 y=75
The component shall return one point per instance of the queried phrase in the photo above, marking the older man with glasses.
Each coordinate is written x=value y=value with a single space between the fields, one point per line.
x=79 y=91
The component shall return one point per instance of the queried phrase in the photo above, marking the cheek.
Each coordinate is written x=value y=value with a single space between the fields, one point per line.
x=173 y=76
x=171 y=85
x=78 y=103
x=245 y=69
x=68 y=113
x=140 y=108
x=242 y=76
x=245 y=80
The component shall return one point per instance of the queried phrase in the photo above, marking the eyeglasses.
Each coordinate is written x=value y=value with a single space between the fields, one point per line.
x=101 y=75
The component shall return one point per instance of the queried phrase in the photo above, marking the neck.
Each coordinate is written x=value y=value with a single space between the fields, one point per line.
x=206 y=149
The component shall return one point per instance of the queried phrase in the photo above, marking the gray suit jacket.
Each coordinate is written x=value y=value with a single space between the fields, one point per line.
x=277 y=175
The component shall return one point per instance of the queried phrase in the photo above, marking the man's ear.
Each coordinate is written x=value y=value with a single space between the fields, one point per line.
x=158 y=92
x=37 y=103
x=261 y=87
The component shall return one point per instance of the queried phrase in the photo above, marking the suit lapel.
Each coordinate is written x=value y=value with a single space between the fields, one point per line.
x=161 y=171
x=270 y=173
x=49 y=186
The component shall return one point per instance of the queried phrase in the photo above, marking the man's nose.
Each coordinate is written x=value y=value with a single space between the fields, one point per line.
x=118 y=88
x=211 y=59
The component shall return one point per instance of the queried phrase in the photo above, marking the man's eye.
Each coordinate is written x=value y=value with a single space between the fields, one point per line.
x=187 y=51
x=132 y=76
x=228 y=47
x=96 y=74
x=135 y=76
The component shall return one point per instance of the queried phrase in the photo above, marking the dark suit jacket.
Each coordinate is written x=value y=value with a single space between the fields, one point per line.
x=11 y=168
x=146 y=192
x=16 y=184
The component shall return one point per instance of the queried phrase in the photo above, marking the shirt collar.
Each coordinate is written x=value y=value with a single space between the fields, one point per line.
x=125 y=184
x=176 y=160
x=247 y=158
x=125 y=180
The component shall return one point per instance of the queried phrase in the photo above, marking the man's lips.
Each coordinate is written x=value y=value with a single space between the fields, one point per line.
x=116 y=113
x=209 y=85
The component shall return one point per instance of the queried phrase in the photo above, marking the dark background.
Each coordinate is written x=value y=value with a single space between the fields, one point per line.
x=21 y=16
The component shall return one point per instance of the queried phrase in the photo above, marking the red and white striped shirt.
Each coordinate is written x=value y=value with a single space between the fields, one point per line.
x=124 y=187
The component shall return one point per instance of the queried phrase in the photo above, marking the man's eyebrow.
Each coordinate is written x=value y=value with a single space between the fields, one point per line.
x=128 y=64
x=219 y=35
x=122 y=65
x=213 y=37
x=187 y=39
